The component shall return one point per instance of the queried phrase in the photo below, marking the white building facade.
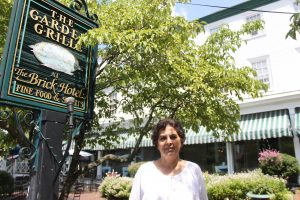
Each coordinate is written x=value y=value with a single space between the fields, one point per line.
x=273 y=56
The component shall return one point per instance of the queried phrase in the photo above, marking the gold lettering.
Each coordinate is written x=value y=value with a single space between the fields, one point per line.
x=42 y=94
x=64 y=40
x=65 y=88
x=50 y=33
x=71 y=22
x=58 y=37
x=54 y=24
x=57 y=30
x=62 y=19
x=53 y=13
x=23 y=89
x=34 y=78
x=78 y=103
x=44 y=20
x=21 y=72
x=74 y=34
x=38 y=28
x=52 y=85
x=71 y=43
x=65 y=29
x=34 y=15
x=18 y=88
x=55 y=74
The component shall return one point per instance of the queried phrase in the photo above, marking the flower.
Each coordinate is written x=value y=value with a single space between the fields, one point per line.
x=112 y=174
x=269 y=156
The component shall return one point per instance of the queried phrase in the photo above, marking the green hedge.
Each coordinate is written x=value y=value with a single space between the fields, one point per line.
x=219 y=187
x=132 y=169
x=6 y=183
x=284 y=166
x=236 y=186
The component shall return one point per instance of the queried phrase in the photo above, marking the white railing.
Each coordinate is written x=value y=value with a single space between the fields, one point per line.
x=3 y=165
x=15 y=166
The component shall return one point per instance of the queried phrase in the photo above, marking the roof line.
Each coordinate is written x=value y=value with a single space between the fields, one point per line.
x=234 y=10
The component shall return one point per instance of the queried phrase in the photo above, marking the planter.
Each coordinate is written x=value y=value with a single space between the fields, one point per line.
x=260 y=196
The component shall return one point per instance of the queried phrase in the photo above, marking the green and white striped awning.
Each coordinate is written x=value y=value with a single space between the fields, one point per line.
x=126 y=142
x=272 y=124
x=255 y=126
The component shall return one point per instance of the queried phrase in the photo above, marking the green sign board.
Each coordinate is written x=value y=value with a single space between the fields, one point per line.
x=41 y=65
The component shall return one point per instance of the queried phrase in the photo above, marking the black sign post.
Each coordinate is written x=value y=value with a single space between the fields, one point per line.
x=48 y=156
x=40 y=69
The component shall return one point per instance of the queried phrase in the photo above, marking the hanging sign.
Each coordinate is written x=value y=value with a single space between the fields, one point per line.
x=41 y=65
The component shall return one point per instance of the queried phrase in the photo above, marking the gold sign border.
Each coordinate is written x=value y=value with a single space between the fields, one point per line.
x=14 y=59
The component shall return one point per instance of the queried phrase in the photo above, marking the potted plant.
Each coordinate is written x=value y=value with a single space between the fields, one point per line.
x=261 y=192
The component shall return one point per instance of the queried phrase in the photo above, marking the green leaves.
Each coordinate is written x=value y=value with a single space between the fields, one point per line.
x=295 y=26
x=5 y=9
x=152 y=60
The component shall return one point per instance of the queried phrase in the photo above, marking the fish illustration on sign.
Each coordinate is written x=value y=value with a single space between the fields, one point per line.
x=55 y=57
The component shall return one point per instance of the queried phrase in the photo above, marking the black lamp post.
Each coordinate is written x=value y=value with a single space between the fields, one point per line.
x=70 y=107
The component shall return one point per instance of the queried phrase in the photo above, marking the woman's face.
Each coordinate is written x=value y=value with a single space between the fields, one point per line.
x=169 y=142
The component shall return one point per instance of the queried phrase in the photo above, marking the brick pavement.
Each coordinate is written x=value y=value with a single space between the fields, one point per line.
x=89 y=196
x=297 y=195
x=96 y=196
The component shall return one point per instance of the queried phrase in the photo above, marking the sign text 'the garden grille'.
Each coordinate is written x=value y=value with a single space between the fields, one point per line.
x=45 y=66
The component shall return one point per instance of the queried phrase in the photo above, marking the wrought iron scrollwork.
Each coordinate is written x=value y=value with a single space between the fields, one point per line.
x=77 y=5
x=25 y=153
x=4 y=115
x=25 y=117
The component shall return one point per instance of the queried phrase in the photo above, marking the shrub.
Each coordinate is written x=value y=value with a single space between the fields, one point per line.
x=116 y=188
x=290 y=168
x=219 y=187
x=6 y=183
x=236 y=186
x=132 y=169
x=279 y=164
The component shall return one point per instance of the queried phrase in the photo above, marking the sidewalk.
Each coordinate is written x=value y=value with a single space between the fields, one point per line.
x=297 y=195
x=96 y=196
x=89 y=196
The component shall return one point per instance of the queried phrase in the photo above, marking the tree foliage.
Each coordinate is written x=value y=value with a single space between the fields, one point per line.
x=150 y=58
x=295 y=24
x=5 y=8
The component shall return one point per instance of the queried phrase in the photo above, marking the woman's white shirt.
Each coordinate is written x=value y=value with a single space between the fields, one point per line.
x=151 y=184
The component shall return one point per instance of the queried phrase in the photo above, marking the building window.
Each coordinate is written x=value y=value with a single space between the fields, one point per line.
x=262 y=71
x=113 y=102
x=252 y=18
x=245 y=154
x=215 y=29
x=296 y=6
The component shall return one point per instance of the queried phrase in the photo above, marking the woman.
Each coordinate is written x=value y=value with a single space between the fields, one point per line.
x=169 y=177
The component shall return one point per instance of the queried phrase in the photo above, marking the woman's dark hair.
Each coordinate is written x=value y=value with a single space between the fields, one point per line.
x=162 y=124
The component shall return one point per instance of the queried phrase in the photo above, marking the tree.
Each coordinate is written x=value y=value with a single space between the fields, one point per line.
x=151 y=59
x=5 y=8
x=295 y=25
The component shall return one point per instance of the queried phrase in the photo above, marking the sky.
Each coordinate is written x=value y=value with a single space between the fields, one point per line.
x=191 y=12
